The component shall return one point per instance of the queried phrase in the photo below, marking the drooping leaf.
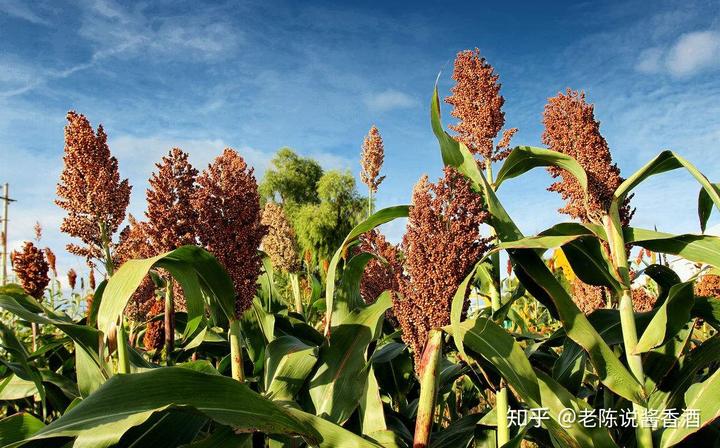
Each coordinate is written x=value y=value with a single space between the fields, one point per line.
x=524 y=158
x=705 y=206
x=194 y=268
x=696 y=248
x=125 y=401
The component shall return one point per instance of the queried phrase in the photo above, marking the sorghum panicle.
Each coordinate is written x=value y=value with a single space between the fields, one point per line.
x=51 y=259
x=229 y=225
x=171 y=218
x=571 y=128
x=31 y=269
x=90 y=189
x=154 y=338
x=442 y=243
x=72 y=278
x=708 y=286
x=477 y=104
x=279 y=243
x=371 y=160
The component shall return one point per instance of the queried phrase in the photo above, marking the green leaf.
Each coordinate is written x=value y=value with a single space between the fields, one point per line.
x=331 y=435
x=696 y=248
x=569 y=368
x=15 y=388
x=707 y=309
x=125 y=401
x=337 y=386
x=486 y=338
x=705 y=206
x=669 y=394
x=380 y=217
x=669 y=318
x=258 y=329
x=666 y=161
x=348 y=293
x=18 y=427
x=371 y=407
x=165 y=430
x=19 y=364
x=223 y=437
x=703 y=397
x=194 y=268
x=524 y=158
x=288 y=363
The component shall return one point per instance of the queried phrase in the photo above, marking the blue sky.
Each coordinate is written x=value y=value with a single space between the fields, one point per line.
x=315 y=76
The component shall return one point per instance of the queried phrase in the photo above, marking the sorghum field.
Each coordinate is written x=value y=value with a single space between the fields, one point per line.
x=246 y=312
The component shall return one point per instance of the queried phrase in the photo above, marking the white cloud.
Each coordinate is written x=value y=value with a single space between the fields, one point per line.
x=692 y=53
x=650 y=60
x=388 y=100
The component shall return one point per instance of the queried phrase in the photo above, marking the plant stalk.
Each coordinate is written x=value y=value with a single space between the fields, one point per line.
x=428 y=389
x=501 y=397
x=295 y=284
x=613 y=228
x=236 y=359
x=169 y=321
x=123 y=358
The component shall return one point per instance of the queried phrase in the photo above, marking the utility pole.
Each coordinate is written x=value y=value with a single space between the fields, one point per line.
x=4 y=235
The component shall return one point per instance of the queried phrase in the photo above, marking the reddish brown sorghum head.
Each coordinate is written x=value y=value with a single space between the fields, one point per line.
x=72 y=278
x=91 y=279
x=37 y=228
x=90 y=189
x=31 y=269
x=280 y=243
x=371 y=160
x=441 y=245
x=51 y=259
x=477 y=104
x=154 y=338
x=571 y=128
x=642 y=300
x=88 y=304
x=383 y=272
x=171 y=217
x=708 y=286
x=229 y=225
x=133 y=243
x=589 y=297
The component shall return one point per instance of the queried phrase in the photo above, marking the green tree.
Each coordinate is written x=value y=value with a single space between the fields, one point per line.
x=292 y=180
x=322 y=227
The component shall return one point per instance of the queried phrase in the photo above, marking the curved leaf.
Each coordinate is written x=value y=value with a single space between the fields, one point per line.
x=380 y=217
x=697 y=248
x=524 y=158
x=669 y=318
x=18 y=427
x=288 y=363
x=705 y=206
x=125 y=401
x=193 y=267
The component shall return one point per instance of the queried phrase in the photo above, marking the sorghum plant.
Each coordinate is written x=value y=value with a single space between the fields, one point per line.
x=371 y=160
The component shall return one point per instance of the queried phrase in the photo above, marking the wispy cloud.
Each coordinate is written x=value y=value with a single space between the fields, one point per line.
x=692 y=53
x=388 y=100
x=21 y=10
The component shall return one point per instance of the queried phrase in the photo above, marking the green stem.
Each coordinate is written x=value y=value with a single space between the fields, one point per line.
x=236 y=360
x=428 y=389
x=295 y=284
x=169 y=321
x=501 y=397
x=613 y=228
x=123 y=358
x=370 y=205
